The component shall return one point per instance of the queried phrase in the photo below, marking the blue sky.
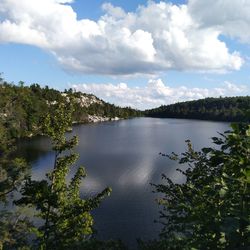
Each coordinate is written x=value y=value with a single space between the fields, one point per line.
x=137 y=53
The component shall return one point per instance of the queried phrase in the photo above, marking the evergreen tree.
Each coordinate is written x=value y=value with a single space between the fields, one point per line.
x=231 y=109
x=67 y=221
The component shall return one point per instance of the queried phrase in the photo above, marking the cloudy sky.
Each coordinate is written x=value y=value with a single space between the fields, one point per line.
x=137 y=53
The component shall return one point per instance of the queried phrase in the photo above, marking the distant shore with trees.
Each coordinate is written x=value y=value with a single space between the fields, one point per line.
x=230 y=109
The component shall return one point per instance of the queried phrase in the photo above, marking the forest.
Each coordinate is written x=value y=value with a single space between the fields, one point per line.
x=22 y=108
x=231 y=109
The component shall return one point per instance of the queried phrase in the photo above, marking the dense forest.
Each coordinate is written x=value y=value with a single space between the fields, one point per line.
x=231 y=109
x=22 y=108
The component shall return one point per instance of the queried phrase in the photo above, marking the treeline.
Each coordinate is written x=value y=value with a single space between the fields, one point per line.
x=233 y=109
x=22 y=108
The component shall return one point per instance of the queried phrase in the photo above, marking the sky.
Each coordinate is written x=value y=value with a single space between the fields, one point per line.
x=136 y=53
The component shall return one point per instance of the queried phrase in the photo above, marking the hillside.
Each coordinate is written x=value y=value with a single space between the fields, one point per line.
x=217 y=109
x=23 y=108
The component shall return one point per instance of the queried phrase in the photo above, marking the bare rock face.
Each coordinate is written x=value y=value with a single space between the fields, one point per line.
x=84 y=100
x=95 y=118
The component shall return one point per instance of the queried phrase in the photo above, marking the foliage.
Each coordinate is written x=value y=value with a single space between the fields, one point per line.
x=23 y=108
x=66 y=217
x=94 y=244
x=13 y=171
x=211 y=210
x=14 y=230
x=218 y=109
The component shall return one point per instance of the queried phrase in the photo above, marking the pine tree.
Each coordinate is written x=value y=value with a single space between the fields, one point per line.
x=66 y=217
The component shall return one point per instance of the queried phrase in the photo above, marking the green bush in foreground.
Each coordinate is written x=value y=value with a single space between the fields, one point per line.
x=211 y=210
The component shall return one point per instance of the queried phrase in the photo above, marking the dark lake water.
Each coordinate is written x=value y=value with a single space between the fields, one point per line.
x=125 y=156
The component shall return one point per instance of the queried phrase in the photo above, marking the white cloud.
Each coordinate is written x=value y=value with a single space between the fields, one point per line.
x=156 y=93
x=154 y=38
x=232 y=18
x=116 y=12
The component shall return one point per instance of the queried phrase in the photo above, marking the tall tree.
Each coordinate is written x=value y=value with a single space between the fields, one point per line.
x=66 y=217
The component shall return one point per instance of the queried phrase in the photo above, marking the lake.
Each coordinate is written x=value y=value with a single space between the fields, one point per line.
x=125 y=156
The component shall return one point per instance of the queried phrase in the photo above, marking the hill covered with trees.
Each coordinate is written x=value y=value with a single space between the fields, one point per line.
x=22 y=108
x=233 y=109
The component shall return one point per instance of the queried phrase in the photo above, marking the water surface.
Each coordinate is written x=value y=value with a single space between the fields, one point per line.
x=125 y=156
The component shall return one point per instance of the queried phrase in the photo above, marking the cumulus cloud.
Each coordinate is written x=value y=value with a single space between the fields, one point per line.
x=232 y=18
x=156 y=93
x=154 y=38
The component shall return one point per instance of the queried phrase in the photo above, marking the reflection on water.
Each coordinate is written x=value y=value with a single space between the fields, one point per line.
x=125 y=156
